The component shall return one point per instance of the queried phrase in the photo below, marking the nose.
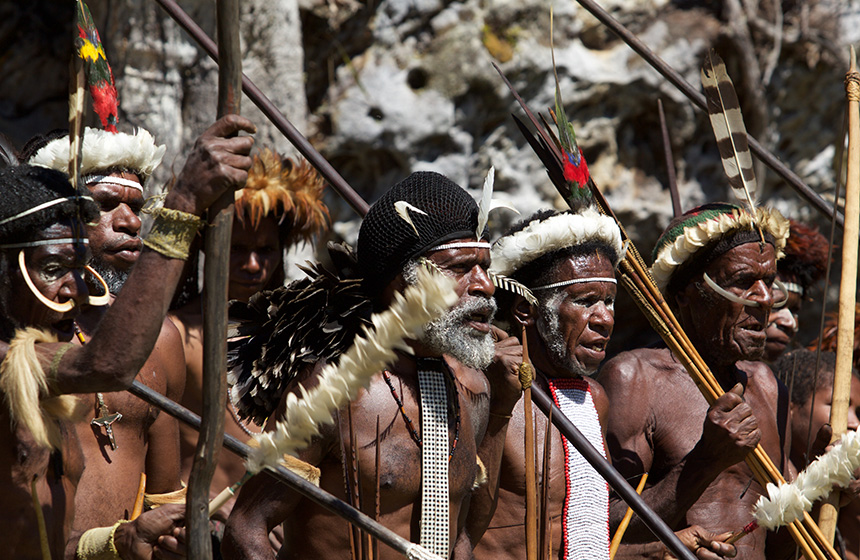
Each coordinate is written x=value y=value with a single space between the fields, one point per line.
x=126 y=221
x=252 y=263
x=480 y=283
x=74 y=288
x=761 y=293
x=602 y=319
x=784 y=319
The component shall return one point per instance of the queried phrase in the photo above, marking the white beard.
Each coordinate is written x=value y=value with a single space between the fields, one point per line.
x=549 y=327
x=450 y=334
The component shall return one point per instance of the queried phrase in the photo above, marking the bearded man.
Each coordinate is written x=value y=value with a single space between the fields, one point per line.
x=43 y=260
x=425 y=220
x=122 y=436
x=568 y=261
x=279 y=206
x=716 y=266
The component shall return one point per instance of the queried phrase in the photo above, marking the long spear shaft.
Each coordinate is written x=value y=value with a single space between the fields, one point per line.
x=216 y=275
x=847 y=289
x=677 y=210
x=294 y=481
x=612 y=476
x=698 y=99
x=271 y=111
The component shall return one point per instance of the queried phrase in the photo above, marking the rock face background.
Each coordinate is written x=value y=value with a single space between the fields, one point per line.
x=383 y=88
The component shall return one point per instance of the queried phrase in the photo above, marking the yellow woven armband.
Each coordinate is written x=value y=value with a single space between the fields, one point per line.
x=172 y=232
x=97 y=544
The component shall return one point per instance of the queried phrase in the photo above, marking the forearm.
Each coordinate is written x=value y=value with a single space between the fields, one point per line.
x=484 y=498
x=670 y=497
x=128 y=331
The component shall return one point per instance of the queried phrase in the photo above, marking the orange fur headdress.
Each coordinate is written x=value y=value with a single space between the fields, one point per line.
x=291 y=191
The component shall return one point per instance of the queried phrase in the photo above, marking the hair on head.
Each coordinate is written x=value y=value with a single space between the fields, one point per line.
x=805 y=254
x=797 y=370
x=24 y=187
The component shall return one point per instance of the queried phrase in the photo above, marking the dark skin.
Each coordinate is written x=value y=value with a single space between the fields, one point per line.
x=120 y=348
x=315 y=533
x=692 y=452
x=586 y=320
x=147 y=440
x=255 y=255
x=782 y=326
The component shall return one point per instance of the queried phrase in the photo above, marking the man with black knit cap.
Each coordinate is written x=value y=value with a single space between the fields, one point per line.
x=425 y=220
x=716 y=267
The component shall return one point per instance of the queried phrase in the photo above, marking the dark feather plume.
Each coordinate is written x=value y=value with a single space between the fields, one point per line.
x=278 y=333
x=724 y=110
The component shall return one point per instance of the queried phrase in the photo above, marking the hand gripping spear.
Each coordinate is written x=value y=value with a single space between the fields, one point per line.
x=215 y=280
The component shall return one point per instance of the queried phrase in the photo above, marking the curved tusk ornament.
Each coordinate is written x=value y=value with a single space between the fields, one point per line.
x=743 y=301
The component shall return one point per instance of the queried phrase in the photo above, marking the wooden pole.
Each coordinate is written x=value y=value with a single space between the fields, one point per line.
x=215 y=283
x=670 y=162
x=531 y=521
x=847 y=289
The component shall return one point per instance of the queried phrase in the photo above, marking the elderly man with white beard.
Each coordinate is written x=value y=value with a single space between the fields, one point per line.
x=426 y=418
x=568 y=261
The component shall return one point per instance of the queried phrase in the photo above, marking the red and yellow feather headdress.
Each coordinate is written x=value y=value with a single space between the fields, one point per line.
x=291 y=191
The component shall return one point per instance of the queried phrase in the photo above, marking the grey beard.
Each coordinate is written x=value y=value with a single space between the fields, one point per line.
x=549 y=327
x=450 y=334
x=115 y=279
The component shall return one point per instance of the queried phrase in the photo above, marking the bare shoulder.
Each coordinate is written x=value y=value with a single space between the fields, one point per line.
x=760 y=378
x=637 y=370
x=598 y=395
x=187 y=319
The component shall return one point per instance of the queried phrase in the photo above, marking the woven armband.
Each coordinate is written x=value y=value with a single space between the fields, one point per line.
x=172 y=232
x=152 y=501
x=97 y=544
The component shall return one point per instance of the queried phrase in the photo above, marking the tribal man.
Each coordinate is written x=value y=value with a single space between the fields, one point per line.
x=123 y=436
x=804 y=263
x=425 y=220
x=43 y=284
x=280 y=206
x=568 y=262
x=717 y=274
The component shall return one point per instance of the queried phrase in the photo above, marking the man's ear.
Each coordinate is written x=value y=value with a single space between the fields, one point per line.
x=523 y=311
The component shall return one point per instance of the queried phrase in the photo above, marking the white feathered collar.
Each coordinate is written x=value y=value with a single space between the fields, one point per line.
x=560 y=231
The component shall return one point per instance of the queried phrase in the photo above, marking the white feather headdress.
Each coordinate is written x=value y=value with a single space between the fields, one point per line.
x=540 y=237
x=105 y=150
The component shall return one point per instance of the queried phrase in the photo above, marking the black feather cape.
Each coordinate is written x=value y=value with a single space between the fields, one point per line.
x=277 y=333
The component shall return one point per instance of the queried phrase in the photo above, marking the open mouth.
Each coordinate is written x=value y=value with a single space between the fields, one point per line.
x=480 y=320
x=65 y=329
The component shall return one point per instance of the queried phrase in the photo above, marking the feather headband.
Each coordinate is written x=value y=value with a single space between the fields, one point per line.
x=560 y=231
x=105 y=150
x=288 y=190
x=703 y=227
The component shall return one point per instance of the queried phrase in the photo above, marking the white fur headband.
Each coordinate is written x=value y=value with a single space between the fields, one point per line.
x=560 y=231
x=104 y=150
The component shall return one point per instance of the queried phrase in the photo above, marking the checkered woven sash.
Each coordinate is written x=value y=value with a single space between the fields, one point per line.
x=434 y=457
x=585 y=519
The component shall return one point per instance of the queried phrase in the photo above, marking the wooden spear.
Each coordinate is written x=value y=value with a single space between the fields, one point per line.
x=670 y=162
x=215 y=281
x=847 y=289
x=526 y=378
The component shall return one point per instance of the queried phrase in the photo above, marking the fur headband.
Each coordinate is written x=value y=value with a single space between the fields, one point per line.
x=560 y=231
x=105 y=150
x=706 y=225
